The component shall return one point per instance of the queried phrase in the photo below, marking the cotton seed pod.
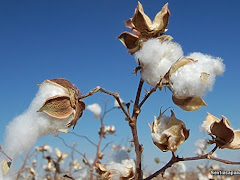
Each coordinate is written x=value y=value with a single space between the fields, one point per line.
x=168 y=133
x=111 y=171
x=142 y=23
x=188 y=103
x=143 y=28
x=224 y=135
x=65 y=105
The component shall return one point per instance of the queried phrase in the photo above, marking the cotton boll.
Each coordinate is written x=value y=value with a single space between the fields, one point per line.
x=187 y=79
x=119 y=169
x=154 y=51
x=95 y=109
x=24 y=130
x=156 y=59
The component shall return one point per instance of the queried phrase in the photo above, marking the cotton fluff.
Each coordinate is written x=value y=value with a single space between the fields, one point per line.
x=187 y=79
x=95 y=109
x=25 y=129
x=118 y=170
x=156 y=59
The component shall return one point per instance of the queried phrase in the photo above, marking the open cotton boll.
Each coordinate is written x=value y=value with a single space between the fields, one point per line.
x=187 y=80
x=156 y=59
x=24 y=130
x=95 y=109
x=120 y=169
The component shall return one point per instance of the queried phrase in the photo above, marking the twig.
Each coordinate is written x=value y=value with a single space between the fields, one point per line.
x=133 y=125
x=176 y=159
x=85 y=137
x=24 y=164
x=150 y=92
x=115 y=95
x=73 y=149
x=10 y=159
x=100 y=138
x=106 y=145
x=69 y=177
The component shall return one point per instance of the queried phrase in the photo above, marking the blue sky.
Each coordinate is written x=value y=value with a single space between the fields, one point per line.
x=76 y=40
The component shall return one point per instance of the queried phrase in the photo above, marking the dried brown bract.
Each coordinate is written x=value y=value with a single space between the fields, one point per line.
x=222 y=133
x=144 y=28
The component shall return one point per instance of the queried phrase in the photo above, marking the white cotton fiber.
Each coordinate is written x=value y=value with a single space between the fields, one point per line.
x=156 y=59
x=119 y=170
x=187 y=79
x=24 y=130
x=95 y=109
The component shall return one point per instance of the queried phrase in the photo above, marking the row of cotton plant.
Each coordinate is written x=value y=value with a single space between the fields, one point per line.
x=162 y=64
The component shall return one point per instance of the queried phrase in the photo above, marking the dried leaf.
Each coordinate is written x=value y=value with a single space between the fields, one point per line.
x=57 y=106
x=204 y=77
x=161 y=20
x=223 y=132
x=5 y=166
x=189 y=103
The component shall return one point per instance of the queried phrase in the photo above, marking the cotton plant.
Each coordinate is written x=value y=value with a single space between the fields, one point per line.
x=162 y=63
x=160 y=59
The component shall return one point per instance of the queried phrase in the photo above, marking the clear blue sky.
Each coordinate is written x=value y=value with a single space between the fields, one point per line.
x=76 y=40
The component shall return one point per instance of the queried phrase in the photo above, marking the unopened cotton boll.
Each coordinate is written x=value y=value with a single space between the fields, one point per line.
x=95 y=109
x=187 y=81
x=156 y=58
x=25 y=129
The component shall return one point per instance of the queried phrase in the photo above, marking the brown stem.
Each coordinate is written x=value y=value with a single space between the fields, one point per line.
x=115 y=95
x=10 y=159
x=176 y=159
x=85 y=137
x=150 y=92
x=99 y=142
x=133 y=125
x=23 y=165
x=70 y=147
